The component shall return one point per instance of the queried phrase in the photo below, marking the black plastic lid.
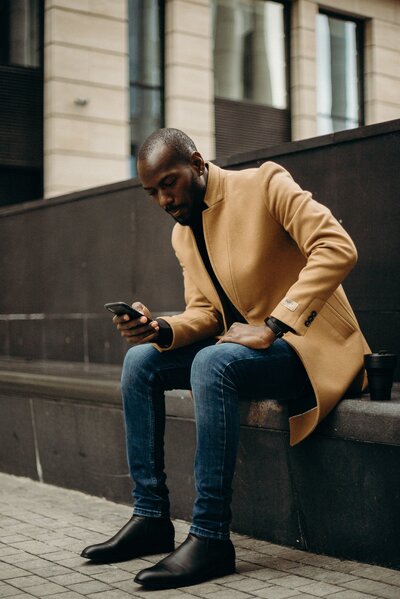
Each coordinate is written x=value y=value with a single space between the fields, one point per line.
x=382 y=357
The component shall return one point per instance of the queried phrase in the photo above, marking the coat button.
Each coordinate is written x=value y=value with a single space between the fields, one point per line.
x=313 y=314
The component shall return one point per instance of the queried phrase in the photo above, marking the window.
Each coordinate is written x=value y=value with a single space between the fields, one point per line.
x=339 y=73
x=21 y=100
x=146 y=71
x=21 y=32
x=251 y=63
x=250 y=51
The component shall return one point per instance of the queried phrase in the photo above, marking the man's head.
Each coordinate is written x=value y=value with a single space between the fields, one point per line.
x=174 y=173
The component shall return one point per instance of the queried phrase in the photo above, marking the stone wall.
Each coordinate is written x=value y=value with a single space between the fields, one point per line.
x=86 y=119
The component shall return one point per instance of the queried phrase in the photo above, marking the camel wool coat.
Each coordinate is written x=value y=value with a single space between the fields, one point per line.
x=276 y=252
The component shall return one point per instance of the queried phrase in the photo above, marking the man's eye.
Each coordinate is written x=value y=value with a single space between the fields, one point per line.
x=169 y=182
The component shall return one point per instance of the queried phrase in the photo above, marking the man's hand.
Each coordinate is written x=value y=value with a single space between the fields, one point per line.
x=249 y=335
x=136 y=331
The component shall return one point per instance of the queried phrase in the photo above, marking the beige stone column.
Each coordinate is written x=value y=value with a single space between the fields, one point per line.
x=86 y=89
x=189 y=80
x=303 y=85
x=382 y=70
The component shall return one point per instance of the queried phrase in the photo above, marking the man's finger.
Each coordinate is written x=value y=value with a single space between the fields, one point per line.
x=138 y=306
x=139 y=339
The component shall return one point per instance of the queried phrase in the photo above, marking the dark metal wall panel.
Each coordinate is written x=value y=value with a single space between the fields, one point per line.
x=61 y=259
x=21 y=134
x=73 y=256
x=246 y=126
x=21 y=116
x=20 y=184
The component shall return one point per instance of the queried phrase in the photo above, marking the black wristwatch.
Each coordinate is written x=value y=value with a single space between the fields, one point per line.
x=275 y=328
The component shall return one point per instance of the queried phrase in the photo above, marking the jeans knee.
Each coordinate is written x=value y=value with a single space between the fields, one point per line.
x=137 y=360
x=202 y=360
x=208 y=365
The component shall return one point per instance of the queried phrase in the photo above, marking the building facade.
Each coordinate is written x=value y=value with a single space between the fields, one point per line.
x=236 y=75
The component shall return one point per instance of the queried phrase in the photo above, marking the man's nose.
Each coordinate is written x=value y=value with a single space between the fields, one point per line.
x=164 y=198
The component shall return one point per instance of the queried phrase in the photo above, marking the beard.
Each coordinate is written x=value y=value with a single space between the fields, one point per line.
x=194 y=207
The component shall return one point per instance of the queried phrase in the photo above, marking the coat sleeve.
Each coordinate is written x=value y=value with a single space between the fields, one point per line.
x=199 y=320
x=329 y=251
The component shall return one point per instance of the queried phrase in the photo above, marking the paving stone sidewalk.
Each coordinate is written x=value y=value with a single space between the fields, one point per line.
x=43 y=530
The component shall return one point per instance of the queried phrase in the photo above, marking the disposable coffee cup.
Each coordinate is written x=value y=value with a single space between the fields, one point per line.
x=380 y=370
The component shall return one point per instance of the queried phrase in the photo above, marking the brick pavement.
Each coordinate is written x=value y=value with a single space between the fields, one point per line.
x=44 y=528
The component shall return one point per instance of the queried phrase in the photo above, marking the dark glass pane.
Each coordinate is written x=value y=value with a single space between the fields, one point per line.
x=146 y=71
x=337 y=74
x=20 y=32
x=146 y=107
x=250 y=51
x=4 y=33
x=144 y=42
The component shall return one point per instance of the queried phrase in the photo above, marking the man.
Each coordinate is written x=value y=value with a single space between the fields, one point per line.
x=261 y=260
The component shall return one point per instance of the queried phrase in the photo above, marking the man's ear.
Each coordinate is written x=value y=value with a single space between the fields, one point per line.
x=197 y=162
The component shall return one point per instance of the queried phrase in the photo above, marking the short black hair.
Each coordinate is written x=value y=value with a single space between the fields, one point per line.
x=182 y=145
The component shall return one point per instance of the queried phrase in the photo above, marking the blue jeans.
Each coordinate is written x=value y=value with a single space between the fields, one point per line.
x=217 y=375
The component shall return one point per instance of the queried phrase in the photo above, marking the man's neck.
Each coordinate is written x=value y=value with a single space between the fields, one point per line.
x=197 y=223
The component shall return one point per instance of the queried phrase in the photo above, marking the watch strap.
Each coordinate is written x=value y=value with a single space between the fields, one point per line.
x=275 y=328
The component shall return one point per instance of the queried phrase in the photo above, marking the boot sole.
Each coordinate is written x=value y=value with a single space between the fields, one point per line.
x=127 y=557
x=225 y=570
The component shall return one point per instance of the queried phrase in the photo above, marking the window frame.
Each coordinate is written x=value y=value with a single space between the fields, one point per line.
x=288 y=50
x=143 y=86
x=40 y=66
x=360 y=48
x=286 y=5
x=248 y=125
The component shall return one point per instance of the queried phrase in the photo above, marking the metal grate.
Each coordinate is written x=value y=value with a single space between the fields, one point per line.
x=21 y=117
x=245 y=126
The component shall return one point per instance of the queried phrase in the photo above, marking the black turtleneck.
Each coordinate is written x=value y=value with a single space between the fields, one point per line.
x=231 y=313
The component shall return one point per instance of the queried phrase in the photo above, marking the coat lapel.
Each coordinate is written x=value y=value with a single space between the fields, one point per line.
x=195 y=263
x=216 y=235
x=216 y=232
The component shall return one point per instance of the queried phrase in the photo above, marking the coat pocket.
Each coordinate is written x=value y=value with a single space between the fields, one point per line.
x=337 y=321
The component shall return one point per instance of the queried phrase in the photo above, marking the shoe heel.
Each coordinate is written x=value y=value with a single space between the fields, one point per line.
x=162 y=546
x=167 y=548
x=226 y=570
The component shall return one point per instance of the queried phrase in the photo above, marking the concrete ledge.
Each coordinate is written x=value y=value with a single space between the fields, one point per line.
x=63 y=380
x=357 y=419
x=353 y=419
x=336 y=493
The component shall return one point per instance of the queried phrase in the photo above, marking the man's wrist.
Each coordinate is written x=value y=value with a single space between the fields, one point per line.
x=268 y=336
x=276 y=328
x=165 y=335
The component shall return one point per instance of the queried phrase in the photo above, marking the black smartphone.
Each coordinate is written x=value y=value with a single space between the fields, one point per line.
x=121 y=308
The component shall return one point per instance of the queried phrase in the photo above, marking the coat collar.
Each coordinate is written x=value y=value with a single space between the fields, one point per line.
x=215 y=185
